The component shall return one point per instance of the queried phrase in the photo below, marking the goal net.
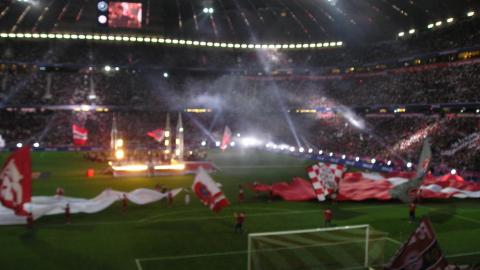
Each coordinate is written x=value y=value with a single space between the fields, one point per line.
x=349 y=247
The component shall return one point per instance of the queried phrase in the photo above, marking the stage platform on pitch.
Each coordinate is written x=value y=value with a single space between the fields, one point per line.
x=144 y=169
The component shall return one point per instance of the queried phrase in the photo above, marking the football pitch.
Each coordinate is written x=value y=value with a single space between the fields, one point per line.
x=154 y=236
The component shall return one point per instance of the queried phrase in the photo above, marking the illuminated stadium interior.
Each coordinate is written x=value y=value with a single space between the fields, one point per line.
x=138 y=114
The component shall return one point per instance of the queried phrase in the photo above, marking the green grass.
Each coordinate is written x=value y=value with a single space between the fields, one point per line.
x=112 y=240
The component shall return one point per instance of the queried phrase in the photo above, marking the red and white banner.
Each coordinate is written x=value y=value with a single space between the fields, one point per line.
x=157 y=134
x=80 y=135
x=325 y=178
x=226 y=139
x=359 y=186
x=16 y=181
x=421 y=251
x=208 y=192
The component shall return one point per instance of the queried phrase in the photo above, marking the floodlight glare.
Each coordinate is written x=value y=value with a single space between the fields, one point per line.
x=102 y=19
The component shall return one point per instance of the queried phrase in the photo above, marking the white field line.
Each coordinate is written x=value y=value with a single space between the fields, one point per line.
x=138 y=261
x=393 y=241
x=190 y=256
x=139 y=265
x=468 y=219
x=155 y=218
x=462 y=254
x=150 y=218
x=457 y=215
x=214 y=254
x=285 y=212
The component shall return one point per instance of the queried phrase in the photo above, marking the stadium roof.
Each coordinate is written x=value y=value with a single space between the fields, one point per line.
x=243 y=20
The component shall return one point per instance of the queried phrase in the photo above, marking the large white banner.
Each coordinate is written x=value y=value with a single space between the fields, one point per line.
x=53 y=205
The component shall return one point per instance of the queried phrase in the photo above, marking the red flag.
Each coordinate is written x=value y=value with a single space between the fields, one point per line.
x=421 y=251
x=157 y=134
x=16 y=181
x=208 y=192
x=325 y=178
x=80 y=135
x=227 y=137
x=362 y=186
x=297 y=190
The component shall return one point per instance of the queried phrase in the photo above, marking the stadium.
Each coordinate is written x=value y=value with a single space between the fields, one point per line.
x=253 y=134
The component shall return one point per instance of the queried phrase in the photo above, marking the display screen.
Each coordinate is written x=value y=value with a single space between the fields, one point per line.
x=125 y=15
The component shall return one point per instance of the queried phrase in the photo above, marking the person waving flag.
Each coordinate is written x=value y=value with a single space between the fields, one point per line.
x=208 y=192
x=16 y=181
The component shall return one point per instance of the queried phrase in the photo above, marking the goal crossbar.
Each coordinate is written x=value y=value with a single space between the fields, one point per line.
x=310 y=230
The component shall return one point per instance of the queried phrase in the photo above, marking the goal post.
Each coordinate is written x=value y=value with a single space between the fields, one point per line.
x=347 y=247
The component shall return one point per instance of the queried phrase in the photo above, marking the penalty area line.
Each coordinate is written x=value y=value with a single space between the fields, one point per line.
x=462 y=254
x=467 y=219
x=139 y=264
x=393 y=241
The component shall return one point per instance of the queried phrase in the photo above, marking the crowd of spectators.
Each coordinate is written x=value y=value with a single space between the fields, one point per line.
x=140 y=86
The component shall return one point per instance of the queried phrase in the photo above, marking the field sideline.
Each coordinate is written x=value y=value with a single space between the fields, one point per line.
x=186 y=237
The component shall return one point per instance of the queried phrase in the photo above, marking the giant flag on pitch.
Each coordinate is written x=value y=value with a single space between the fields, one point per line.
x=325 y=178
x=227 y=137
x=157 y=134
x=80 y=135
x=297 y=190
x=357 y=186
x=16 y=181
x=208 y=192
x=421 y=251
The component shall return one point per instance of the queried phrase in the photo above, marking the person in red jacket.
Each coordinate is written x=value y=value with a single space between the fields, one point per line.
x=411 y=212
x=170 y=198
x=241 y=194
x=239 y=220
x=67 y=213
x=30 y=220
x=124 y=203
x=327 y=215
x=59 y=192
